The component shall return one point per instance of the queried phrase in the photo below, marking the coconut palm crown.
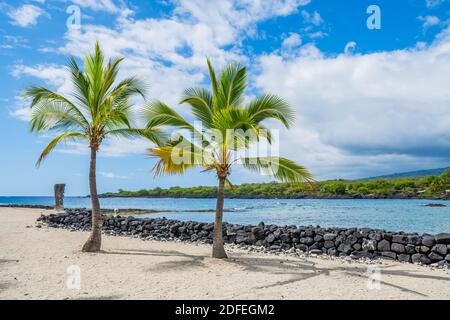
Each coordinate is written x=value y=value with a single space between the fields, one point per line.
x=228 y=127
x=97 y=108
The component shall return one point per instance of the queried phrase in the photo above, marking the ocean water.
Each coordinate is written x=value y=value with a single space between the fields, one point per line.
x=393 y=215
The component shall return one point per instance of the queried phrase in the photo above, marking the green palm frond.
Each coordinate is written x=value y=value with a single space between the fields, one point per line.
x=109 y=76
x=160 y=114
x=232 y=84
x=213 y=79
x=118 y=116
x=283 y=169
x=64 y=137
x=271 y=106
x=129 y=87
x=81 y=84
x=201 y=102
x=231 y=119
x=157 y=136
x=55 y=115
x=41 y=96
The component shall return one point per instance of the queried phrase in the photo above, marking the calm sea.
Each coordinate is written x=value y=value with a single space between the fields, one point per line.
x=393 y=215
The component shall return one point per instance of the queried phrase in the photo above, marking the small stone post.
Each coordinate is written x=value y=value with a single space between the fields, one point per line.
x=59 y=196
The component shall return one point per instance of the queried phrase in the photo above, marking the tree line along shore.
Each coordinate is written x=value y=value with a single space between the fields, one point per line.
x=429 y=187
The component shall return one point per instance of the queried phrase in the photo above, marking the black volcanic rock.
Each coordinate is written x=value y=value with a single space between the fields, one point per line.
x=358 y=243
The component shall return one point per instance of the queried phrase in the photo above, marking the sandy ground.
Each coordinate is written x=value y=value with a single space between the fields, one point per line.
x=39 y=263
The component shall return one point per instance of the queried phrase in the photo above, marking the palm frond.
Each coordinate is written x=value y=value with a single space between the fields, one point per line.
x=213 y=78
x=128 y=88
x=283 y=169
x=56 y=115
x=176 y=159
x=94 y=73
x=232 y=119
x=271 y=106
x=41 y=96
x=229 y=184
x=81 y=84
x=155 y=135
x=159 y=114
x=66 y=136
x=232 y=84
x=201 y=102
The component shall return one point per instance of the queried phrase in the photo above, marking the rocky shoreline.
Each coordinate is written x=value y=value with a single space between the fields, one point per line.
x=357 y=243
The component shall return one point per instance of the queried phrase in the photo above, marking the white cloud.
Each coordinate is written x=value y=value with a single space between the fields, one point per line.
x=112 y=175
x=12 y=42
x=433 y=3
x=56 y=76
x=26 y=15
x=312 y=18
x=429 y=21
x=371 y=111
x=292 y=41
x=169 y=53
x=356 y=113
x=98 y=5
x=317 y=35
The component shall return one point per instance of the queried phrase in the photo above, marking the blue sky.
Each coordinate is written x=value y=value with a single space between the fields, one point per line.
x=368 y=101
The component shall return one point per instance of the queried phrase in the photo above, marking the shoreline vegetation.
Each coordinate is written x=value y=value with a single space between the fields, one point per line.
x=428 y=188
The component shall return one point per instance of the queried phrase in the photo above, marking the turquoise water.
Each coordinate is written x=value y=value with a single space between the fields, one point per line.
x=394 y=215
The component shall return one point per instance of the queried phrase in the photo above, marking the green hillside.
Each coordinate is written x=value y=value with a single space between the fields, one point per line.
x=417 y=187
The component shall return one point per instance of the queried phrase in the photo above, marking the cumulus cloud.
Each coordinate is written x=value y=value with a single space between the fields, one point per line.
x=429 y=21
x=12 y=42
x=25 y=15
x=357 y=114
x=169 y=53
x=292 y=41
x=368 y=110
x=98 y=5
x=312 y=18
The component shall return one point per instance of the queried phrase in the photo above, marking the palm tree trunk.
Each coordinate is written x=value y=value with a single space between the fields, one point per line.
x=218 y=248
x=93 y=244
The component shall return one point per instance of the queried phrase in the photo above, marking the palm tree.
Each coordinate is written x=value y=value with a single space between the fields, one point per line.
x=97 y=108
x=228 y=127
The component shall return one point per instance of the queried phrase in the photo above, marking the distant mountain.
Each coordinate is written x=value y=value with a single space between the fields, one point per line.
x=411 y=174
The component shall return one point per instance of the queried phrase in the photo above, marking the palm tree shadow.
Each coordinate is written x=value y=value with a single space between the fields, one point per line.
x=4 y=285
x=186 y=261
x=299 y=269
x=361 y=272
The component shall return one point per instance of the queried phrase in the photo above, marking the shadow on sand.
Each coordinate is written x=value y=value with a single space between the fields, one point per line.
x=299 y=269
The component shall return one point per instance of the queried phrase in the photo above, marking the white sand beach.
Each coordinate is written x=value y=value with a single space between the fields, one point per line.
x=34 y=264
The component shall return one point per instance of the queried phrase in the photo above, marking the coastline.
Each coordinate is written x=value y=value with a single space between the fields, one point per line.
x=356 y=243
x=310 y=197
x=35 y=261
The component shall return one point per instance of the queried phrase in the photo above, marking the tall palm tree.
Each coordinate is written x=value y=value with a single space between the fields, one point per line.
x=228 y=127
x=97 y=108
